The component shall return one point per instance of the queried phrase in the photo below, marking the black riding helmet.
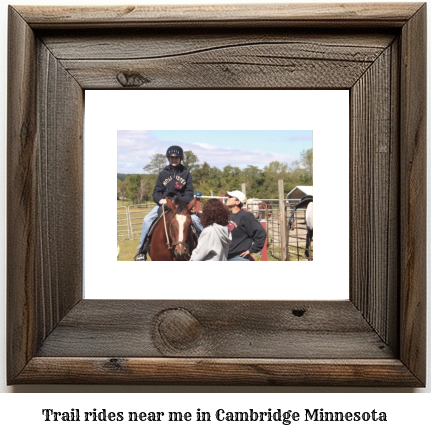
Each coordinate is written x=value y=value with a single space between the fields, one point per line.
x=175 y=151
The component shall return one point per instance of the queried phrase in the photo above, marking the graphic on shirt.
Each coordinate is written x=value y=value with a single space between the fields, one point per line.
x=166 y=181
x=181 y=180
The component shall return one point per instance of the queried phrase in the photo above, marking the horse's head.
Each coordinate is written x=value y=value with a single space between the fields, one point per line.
x=180 y=227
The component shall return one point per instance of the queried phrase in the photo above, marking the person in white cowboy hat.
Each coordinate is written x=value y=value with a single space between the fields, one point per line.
x=248 y=235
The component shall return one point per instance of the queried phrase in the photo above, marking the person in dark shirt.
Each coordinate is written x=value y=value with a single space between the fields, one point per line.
x=248 y=235
x=173 y=180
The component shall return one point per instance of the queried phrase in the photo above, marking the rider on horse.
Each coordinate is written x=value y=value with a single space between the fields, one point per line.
x=174 y=179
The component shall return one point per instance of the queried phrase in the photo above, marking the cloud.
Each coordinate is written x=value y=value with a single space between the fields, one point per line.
x=220 y=157
x=135 y=149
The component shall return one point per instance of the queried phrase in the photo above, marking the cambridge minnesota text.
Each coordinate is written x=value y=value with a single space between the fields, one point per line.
x=285 y=417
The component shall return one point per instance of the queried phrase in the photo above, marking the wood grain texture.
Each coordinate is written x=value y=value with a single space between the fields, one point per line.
x=299 y=14
x=59 y=182
x=376 y=338
x=374 y=188
x=21 y=196
x=234 y=329
x=413 y=193
x=218 y=371
x=140 y=44
x=227 y=60
x=45 y=188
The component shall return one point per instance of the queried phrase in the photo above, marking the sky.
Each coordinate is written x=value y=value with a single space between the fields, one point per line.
x=216 y=147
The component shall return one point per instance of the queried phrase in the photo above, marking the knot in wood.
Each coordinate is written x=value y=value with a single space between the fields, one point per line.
x=115 y=363
x=298 y=312
x=131 y=79
x=178 y=329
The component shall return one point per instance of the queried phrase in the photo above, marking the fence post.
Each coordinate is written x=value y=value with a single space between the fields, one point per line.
x=264 y=252
x=282 y=219
x=243 y=188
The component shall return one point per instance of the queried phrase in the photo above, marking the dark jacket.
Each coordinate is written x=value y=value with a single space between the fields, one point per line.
x=247 y=233
x=174 y=180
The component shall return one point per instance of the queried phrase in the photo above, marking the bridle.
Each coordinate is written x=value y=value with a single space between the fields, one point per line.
x=169 y=237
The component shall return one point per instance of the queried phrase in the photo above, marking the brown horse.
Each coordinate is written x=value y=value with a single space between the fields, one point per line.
x=172 y=238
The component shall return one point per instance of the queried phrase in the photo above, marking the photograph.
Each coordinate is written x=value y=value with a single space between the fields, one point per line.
x=229 y=182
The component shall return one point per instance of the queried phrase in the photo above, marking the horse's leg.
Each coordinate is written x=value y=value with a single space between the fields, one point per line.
x=308 y=243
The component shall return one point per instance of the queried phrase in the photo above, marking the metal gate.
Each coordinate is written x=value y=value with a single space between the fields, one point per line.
x=136 y=214
x=129 y=220
x=123 y=232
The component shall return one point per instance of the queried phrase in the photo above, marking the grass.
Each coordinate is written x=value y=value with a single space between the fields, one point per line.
x=124 y=203
x=128 y=250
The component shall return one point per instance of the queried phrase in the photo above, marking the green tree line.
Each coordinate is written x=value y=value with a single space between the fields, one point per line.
x=210 y=180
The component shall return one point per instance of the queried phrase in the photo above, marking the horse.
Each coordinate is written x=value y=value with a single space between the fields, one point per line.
x=307 y=203
x=259 y=208
x=309 y=225
x=265 y=209
x=172 y=238
x=252 y=205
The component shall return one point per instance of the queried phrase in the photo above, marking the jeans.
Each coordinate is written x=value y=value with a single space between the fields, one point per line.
x=240 y=258
x=196 y=221
x=148 y=220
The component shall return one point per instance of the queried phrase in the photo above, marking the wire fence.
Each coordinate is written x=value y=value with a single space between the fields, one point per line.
x=269 y=210
x=130 y=219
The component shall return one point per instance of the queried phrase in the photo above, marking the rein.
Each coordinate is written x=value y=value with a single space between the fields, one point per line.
x=168 y=237
x=166 y=231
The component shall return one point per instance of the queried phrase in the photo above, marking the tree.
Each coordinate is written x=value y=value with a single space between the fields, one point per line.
x=158 y=162
x=262 y=183
x=307 y=162
x=201 y=173
x=230 y=178
x=121 y=190
x=277 y=169
x=301 y=172
x=254 y=178
x=134 y=183
x=191 y=161
x=142 y=192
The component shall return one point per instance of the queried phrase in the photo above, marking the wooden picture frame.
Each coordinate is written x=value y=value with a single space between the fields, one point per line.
x=376 y=338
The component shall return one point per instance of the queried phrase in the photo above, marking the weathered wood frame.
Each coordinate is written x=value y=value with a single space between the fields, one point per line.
x=376 y=338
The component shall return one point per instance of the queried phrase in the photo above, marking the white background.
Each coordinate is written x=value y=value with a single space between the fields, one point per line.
x=327 y=277
x=24 y=410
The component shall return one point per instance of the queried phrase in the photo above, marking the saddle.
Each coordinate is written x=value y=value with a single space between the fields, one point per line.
x=305 y=200
x=303 y=203
x=145 y=248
